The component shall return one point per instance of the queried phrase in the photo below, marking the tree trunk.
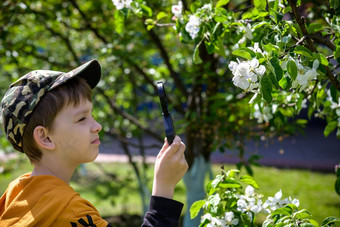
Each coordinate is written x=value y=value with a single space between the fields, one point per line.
x=194 y=182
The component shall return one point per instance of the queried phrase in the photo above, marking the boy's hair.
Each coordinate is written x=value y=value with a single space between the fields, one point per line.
x=24 y=95
x=70 y=93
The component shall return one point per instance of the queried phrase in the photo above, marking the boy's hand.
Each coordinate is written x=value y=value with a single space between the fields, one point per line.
x=170 y=167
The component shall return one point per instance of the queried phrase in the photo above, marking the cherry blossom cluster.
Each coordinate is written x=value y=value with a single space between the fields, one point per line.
x=120 y=4
x=263 y=113
x=305 y=74
x=227 y=221
x=249 y=203
x=193 y=25
x=247 y=74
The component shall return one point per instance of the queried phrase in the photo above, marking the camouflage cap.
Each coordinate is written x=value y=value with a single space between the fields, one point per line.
x=24 y=95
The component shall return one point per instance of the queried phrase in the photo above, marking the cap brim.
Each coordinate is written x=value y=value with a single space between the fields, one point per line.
x=90 y=71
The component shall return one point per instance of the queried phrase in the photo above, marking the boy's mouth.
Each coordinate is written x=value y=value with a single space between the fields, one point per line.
x=96 y=141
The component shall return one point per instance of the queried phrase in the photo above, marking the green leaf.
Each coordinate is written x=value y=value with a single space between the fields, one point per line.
x=195 y=208
x=282 y=211
x=287 y=9
x=249 y=180
x=197 y=59
x=219 y=48
x=249 y=170
x=147 y=11
x=330 y=220
x=287 y=38
x=221 y=3
x=313 y=222
x=292 y=69
x=119 y=21
x=306 y=225
x=285 y=83
x=269 y=47
x=322 y=58
x=260 y=5
x=229 y=183
x=303 y=51
x=274 y=80
x=231 y=173
x=244 y=52
x=260 y=24
x=337 y=185
x=161 y=15
x=150 y=26
x=277 y=68
x=150 y=23
x=336 y=53
x=314 y=27
x=287 y=111
x=209 y=46
x=216 y=181
x=331 y=126
x=267 y=223
x=221 y=15
x=302 y=214
x=335 y=4
x=266 y=88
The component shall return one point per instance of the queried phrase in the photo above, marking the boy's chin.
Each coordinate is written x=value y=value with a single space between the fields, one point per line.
x=92 y=157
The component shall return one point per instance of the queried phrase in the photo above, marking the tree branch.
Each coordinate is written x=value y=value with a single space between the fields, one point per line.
x=87 y=22
x=166 y=59
x=127 y=59
x=178 y=108
x=129 y=117
x=66 y=41
x=127 y=142
x=301 y=23
x=320 y=39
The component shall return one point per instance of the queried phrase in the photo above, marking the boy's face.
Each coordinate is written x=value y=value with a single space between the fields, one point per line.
x=75 y=133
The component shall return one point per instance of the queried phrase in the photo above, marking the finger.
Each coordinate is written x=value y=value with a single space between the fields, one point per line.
x=172 y=149
x=180 y=152
x=164 y=147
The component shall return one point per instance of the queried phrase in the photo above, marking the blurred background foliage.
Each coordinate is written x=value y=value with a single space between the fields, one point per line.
x=211 y=113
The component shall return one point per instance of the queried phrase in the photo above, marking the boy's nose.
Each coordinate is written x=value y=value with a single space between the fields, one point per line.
x=96 y=126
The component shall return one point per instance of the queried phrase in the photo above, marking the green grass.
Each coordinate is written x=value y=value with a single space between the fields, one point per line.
x=114 y=195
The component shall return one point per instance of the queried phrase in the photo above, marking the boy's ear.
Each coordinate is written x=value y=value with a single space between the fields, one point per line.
x=40 y=135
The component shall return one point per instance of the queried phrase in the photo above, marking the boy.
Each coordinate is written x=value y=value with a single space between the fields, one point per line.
x=47 y=116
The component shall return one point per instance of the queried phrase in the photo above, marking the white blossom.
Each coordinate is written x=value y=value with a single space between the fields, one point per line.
x=177 y=9
x=193 y=26
x=249 y=206
x=246 y=74
x=230 y=220
x=257 y=49
x=264 y=116
x=305 y=75
x=249 y=192
x=248 y=34
x=120 y=4
x=275 y=202
x=334 y=105
x=249 y=203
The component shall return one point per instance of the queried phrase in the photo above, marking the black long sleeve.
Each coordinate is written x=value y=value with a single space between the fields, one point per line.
x=163 y=212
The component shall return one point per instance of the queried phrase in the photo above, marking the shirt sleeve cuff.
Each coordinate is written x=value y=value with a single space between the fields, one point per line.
x=166 y=207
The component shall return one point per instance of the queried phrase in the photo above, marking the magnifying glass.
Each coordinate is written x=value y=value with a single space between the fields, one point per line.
x=168 y=123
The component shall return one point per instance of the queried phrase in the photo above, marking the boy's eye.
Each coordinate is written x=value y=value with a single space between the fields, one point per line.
x=81 y=119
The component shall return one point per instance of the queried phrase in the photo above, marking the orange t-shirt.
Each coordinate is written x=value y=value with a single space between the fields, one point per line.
x=46 y=201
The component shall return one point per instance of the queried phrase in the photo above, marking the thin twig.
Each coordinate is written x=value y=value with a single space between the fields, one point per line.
x=87 y=22
x=128 y=116
x=165 y=56
x=301 y=23
x=165 y=25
